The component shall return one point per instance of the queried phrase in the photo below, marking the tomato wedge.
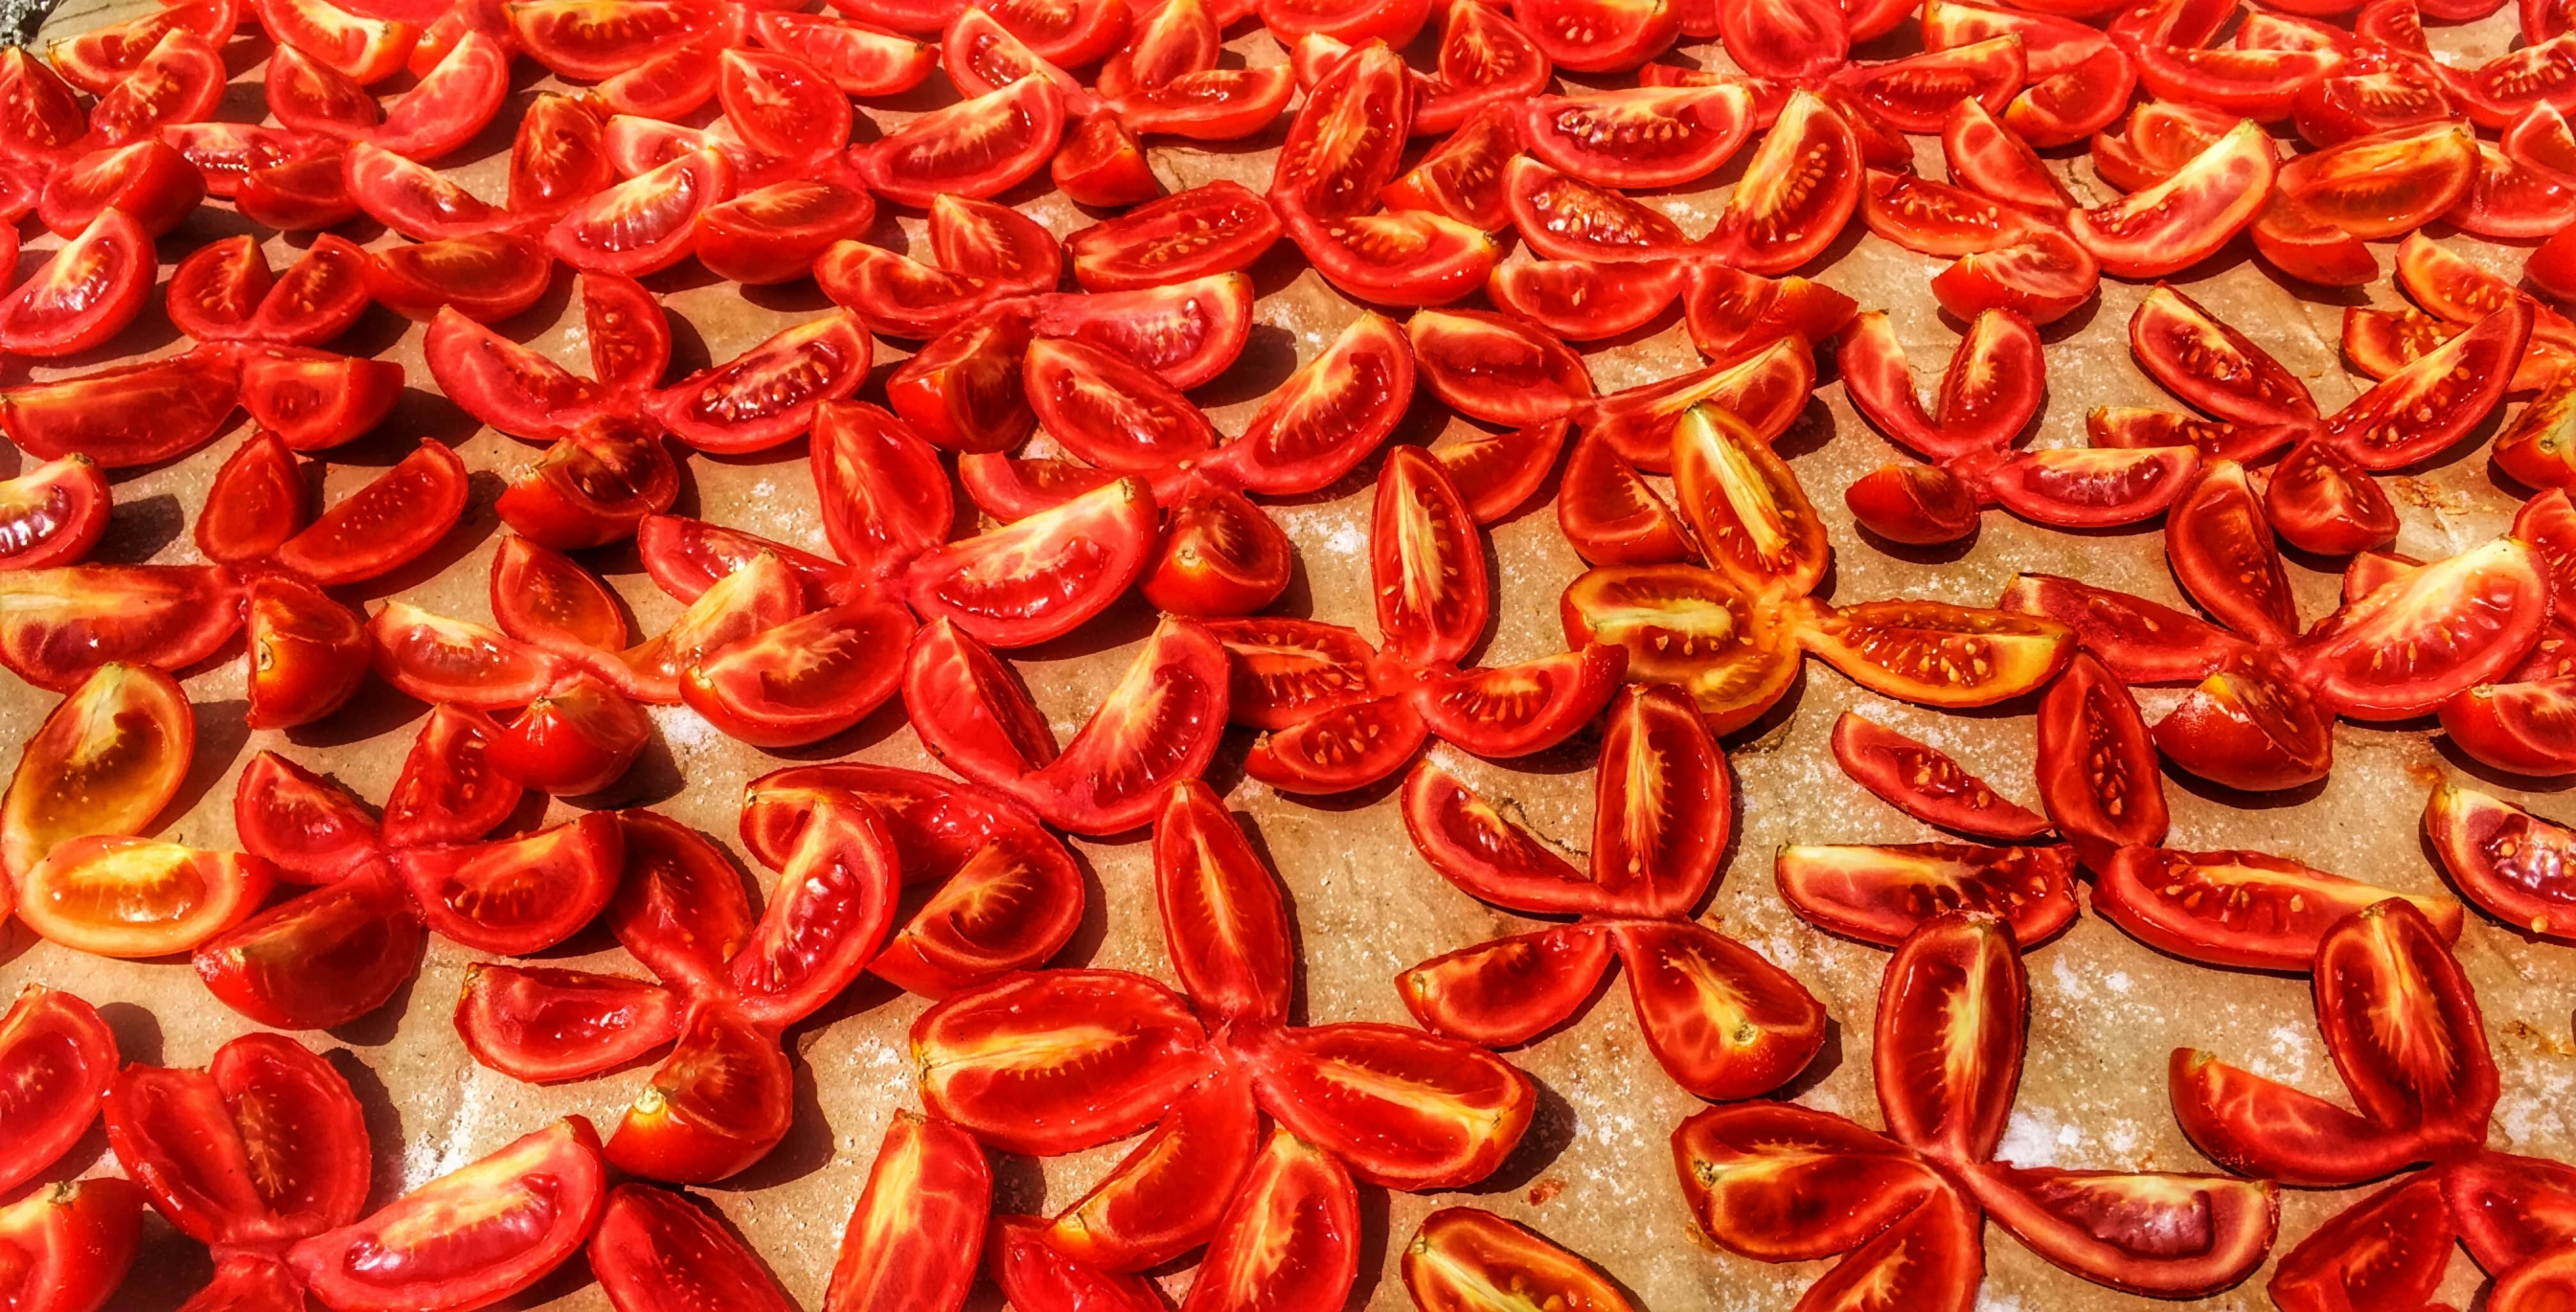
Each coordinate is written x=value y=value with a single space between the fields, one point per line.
x=153 y=184
x=1344 y=1087
x=918 y=1225
x=647 y=223
x=1949 y=1036
x=2502 y=858
x=2245 y=909
x=2321 y=501
x=767 y=395
x=1778 y=1182
x=1507 y=991
x=2097 y=764
x=486 y=278
x=775 y=233
x=179 y=81
x=976 y=148
x=1799 y=189
x=1460 y=1255
x=2257 y=1127
x=2180 y=221
x=1052 y=1062
x=1935 y=654
x=1882 y=894
x=1786 y=39
x=1495 y=369
x=1989 y=393
x=319 y=960
x=2415 y=641
x=2518 y=727
x=134 y=897
x=52 y=514
x=1582 y=300
x=84 y=293
x=2431 y=404
x=2402 y=1024
x=2212 y=366
x=2177 y=1236
x=1919 y=92
x=60 y=1057
x=477 y=1234
x=1643 y=137
x=106 y=760
x=70 y=1243
x=1924 y=782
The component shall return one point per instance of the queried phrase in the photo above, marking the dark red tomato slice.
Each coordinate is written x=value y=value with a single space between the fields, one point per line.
x=2065 y=108
x=1159 y=725
x=1401 y=1108
x=1760 y=1034
x=1508 y=991
x=2073 y=488
x=859 y=59
x=2213 y=366
x=2433 y=403
x=1611 y=516
x=656 y=1252
x=1691 y=626
x=2533 y=1286
x=912 y=1240
x=308 y=653
x=319 y=960
x=1786 y=39
x=1583 y=300
x=316 y=403
x=2097 y=765
x=2177 y=222
x=1951 y=1010
x=517 y=895
x=1496 y=369
x=1147 y=1210
x=1590 y=36
x=557 y=157
x=59 y=1057
x=1460 y=1254
x=70 y=1243
x=2402 y=1024
x=2250 y=725
x=2389 y=184
x=594 y=42
x=2503 y=858
x=362 y=49
x=1328 y=417
x=2175 y=1236
x=1799 y=189
x=2357 y=103
x=804 y=680
x=2320 y=501
x=300 y=194
x=207 y=1145
x=2414 y=642
x=2245 y=909
x=41 y=121
x=1882 y=894
x=417 y=201
x=768 y=394
x=2388 y=1250
x=449 y=791
x=1347 y=143
x=477 y=1234
x=2520 y=727
x=485 y=278
x=578 y=738
x=1346 y=21
x=1497 y=473
x=645 y=224
x=1057 y=1061
x=225 y=153
x=776 y=233
x=1110 y=410
x=1223 y=917
x=52 y=514
x=2272 y=1131
x=719 y=1103
x=1917 y=93
x=1470 y=843
x=2512 y=200
x=1922 y=505
x=1220 y=555
x=84 y=293
x=673 y=84
x=308 y=827
x=2140 y=640
x=1989 y=393
x=2155 y=141
x=1990 y=158
x=58 y=626
x=2510 y=1210
x=1187 y=333
x=1398 y=257
x=503 y=384
x=1778 y=1182
x=975 y=148
x=2260 y=84
x=1644 y=137
x=217 y=289
x=438 y=659
x=992 y=731
x=155 y=186
x=1923 y=782
x=1103 y=165
x=386 y=524
x=1043 y=576
x=254 y=503
x=962 y=392
x=180 y=81
x=1564 y=218
x=1341 y=749
x=825 y=917
x=312 y=100
x=782 y=106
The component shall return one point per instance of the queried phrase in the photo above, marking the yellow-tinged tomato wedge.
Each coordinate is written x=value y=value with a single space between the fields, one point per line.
x=1936 y=654
x=1745 y=504
x=1689 y=626
x=134 y=897
x=106 y=761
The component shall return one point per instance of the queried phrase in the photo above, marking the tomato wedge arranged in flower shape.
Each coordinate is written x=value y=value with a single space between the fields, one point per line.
x=1948 y=1053
x=1725 y=1023
x=2244 y=909
x=475 y=1235
x=84 y=293
x=265 y=1146
x=769 y=394
x=135 y=897
x=2503 y=858
x=70 y=1243
x=1462 y=1257
x=225 y=293
x=1644 y=137
x=1064 y=1060
x=2180 y=221
x=1799 y=189
x=59 y=1056
x=976 y=148
x=526 y=394
x=1731 y=634
x=1923 y=782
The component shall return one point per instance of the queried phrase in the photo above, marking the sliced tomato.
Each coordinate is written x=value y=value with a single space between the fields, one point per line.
x=316 y=401
x=1786 y=39
x=479 y=1233
x=1934 y=654
x=653 y=1248
x=96 y=60
x=768 y=394
x=2176 y=223
x=2402 y=1024
x=321 y=959
x=2519 y=727
x=1043 y=576
x=963 y=391
x=1799 y=189
x=976 y=148
x=919 y=1224
x=2512 y=200
x=308 y=827
x=775 y=234
x=1103 y=165
x=593 y=42
x=2501 y=857
x=1059 y=1060
x=1496 y=473
x=2154 y=141
x=805 y=680
x=153 y=184
x=1563 y=218
x=558 y=157
x=1397 y=257
x=179 y=81
x=2260 y=1128
x=2141 y=641
x=2213 y=366
x=60 y=625
x=485 y=278
x=2493 y=92
x=2261 y=84
x=1689 y=626
x=1745 y=507
x=1220 y=555
x=1223 y=918
x=2510 y=1210
x=267 y=1143
x=438 y=659
x=1594 y=36
x=1338 y=750
x=1644 y=137
x=106 y=760
x=2175 y=1235
x=2070 y=488
x=1933 y=218
x=314 y=100
x=718 y=1104
x=860 y=60
x=386 y=524
x=782 y=106
x=1988 y=395
x=1949 y=1036
x=2389 y=1249
x=1433 y=600
x=646 y=223
x=416 y=200
x=2222 y=551
x=308 y=653
x=1514 y=710
x=1882 y=894
x=1723 y=1022
x=516 y=895
x=2244 y=909
x=1329 y=416
x=225 y=153
x=1460 y=1254
x=1510 y=990
x=84 y=293
x=2387 y=184
x=1924 y=782
x=449 y=791
x=1216 y=228
x=1496 y=369
x=1185 y=333
x=70 y=1244
x=1779 y=1182
x=1346 y=1088
x=578 y=738
x=1989 y=157
x=594 y=487
x=40 y=117
x=60 y=1057
x=1142 y=1214
x=2250 y=725
x=135 y=897
x=2320 y=501
x=1345 y=145
x=1159 y=725
x=1729 y=311
x=2097 y=764
x=1917 y=93
x=1921 y=505
x=2064 y=108
x=52 y=514
x=539 y=595
x=2414 y=642
x=1582 y=300
x=2431 y=404
x=673 y=84
x=301 y=194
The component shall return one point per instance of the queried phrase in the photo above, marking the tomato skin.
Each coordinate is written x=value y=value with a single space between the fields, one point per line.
x=1103 y=165
x=486 y=278
x=2250 y=725
x=1494 y=369
x=1925 y=783
x=180 y=81
x=72 y=1242
x=1882 y=894
x=516 y=895
x=544 y=1191
x=2256 y=1127
x=595 y=486
x=384 y=525
x=321 y=959
x=2097 y=764
x=1044 y=576
x=84 y=293
x=1989 y=393
x=860 y=60
x=318 y=401
x=1920 y=505
x=1013 y=1100
x=300 y=194
x=1008 y=134
x=2414 y=642
x=1507 y=991
x=962 y=392
x=2178 y=222
x=718 y=1104
x=1467 y=1111
x=768 y=394
x=308 y=653
x=1917 y=93
x=1602 y=138
x=308 y=827
x=60 y=1057
x=647 y=223
x=1397 y=257
x=2520 y=727
x=105 y=761
x=1583 y=301
x=53 y=514
x=2433 y=403
x=577 y=739
x=1817 y=1185
x=2213 y=366
x=1949 y=1036
x=2498 y=855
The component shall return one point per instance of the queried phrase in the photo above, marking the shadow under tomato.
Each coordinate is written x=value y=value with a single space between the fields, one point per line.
x=2240 y=800
x=1551 y=1131
x=2487 y=774
x=222 y=731
x=139 y=530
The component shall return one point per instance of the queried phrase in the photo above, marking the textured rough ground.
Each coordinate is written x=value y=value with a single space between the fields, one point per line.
x=1595 y=1173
